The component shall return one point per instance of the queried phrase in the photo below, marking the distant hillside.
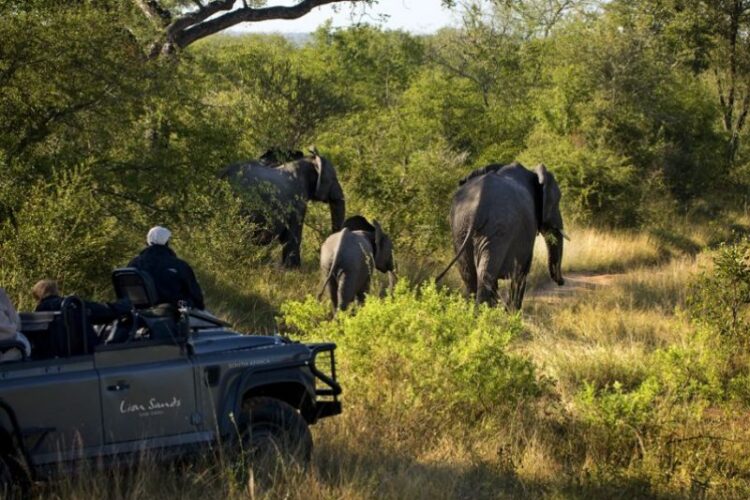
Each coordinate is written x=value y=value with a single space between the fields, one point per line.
x=296 y=38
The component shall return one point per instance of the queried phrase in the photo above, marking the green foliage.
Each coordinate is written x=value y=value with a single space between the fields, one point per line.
x=426 y=349
x=262 y=94
x=366 y=67
x=598 y=185
x=620 y=96
x=619 y=410
x=70 y=74
x=61 y=232
x=720 y=298
x=98 y=143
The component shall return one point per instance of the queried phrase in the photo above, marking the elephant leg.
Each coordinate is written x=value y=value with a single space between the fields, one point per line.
x=291 y=239
x=486 y=283
x=488 y=261
x=347 y=291
x=363 y=291
x=467 y=269
x=518 y=285
x=517 y=291
x=333 y=292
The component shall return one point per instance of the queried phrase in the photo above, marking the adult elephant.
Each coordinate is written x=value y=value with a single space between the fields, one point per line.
x=496 y=214
x=278 y=195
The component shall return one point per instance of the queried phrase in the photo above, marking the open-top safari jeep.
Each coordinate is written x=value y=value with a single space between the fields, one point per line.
x=195 y=383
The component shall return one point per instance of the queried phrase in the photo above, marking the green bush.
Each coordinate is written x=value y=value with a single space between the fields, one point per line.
x=719 y=299
x=719 y=305
x=62 y=232
x=598 y=186
x=426 y=349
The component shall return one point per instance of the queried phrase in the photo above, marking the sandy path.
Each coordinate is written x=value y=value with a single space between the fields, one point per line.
x=575 y=283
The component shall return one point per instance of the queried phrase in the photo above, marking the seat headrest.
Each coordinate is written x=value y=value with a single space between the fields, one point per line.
x=135 y=285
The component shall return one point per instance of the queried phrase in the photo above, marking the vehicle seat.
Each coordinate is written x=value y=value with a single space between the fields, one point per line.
x=138 y=287
x=75 y=320
x=135 y=285
x=43 y=329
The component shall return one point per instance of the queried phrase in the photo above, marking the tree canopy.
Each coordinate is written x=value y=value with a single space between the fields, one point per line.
x=638 y=107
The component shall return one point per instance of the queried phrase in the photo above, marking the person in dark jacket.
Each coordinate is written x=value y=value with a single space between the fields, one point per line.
x=173 y=278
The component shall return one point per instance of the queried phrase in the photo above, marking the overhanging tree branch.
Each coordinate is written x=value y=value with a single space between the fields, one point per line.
x=184 y=29
x=245 y=14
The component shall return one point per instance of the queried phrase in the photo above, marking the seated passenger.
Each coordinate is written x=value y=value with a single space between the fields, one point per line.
x=48 y=297
x=173 y=278
x=10 y=325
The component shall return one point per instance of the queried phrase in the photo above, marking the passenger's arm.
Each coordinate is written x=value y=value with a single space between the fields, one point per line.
x=105 y=313
x=100 y=313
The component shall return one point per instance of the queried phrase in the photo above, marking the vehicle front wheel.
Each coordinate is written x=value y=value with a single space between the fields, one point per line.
x=274 y=434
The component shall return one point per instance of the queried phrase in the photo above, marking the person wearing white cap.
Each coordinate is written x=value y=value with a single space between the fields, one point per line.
x=174 y=279
x=158 y=235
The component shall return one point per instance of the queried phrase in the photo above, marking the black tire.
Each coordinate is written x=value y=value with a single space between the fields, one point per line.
x=274 y=433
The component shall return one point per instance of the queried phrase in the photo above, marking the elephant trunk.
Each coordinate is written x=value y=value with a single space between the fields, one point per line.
x=338 y=213
x=554 y=240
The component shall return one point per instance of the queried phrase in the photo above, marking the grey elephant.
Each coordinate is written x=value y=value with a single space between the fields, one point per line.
x=281 y=192
x=347 y=259
x=496 y=214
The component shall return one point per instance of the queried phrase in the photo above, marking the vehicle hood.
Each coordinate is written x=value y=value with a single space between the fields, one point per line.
x=210 y=341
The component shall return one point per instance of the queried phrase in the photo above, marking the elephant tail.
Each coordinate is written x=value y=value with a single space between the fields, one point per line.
x=333 y=264
x=458 y=254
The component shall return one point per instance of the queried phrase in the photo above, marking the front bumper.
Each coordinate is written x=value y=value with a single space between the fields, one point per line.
x=327 y=388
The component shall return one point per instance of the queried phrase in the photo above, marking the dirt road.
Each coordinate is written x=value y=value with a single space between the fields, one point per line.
x=575 y=283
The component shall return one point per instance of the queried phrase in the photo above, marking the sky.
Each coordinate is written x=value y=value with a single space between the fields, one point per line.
x=415 y=16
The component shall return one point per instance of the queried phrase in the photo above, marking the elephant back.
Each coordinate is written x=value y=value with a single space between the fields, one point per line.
x=358 y=223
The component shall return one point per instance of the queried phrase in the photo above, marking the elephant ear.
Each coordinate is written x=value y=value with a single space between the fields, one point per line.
x=383 y=249
x=550 y=199
x=327 y=187
x=317 y=162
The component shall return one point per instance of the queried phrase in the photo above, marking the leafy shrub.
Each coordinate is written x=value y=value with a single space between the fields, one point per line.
x=598 y=186
x=220 y=232
x=61 y=232
x=719 y=299
x=426 y=349
x=718 y=304
x=394 y=170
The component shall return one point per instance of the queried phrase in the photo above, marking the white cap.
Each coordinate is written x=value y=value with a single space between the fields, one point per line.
x=158 y=235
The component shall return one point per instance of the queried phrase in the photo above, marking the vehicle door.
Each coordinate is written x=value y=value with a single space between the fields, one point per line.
x=147 y=390
x=56 y=402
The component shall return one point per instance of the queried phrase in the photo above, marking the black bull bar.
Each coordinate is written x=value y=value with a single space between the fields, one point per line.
x=330 y=389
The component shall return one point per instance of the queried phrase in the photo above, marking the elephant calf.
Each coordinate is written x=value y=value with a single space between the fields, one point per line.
x=348 y=257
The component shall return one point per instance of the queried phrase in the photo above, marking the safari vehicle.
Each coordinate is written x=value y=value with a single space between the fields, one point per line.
x=172 y=385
